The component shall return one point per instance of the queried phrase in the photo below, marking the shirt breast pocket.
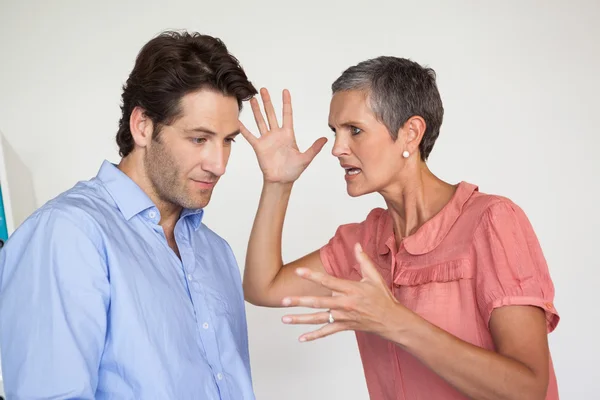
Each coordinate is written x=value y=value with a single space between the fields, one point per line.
x=219 y=303
x=442 y=293
x=224 y=305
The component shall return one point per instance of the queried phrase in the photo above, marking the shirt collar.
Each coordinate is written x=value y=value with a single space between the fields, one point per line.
x=194 y=216
x=131 y=199
x=432 y=232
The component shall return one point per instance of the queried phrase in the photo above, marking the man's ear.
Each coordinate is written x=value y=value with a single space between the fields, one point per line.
x=141 y=127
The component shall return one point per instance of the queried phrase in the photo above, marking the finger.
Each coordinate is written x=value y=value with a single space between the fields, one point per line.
x=258 y=117
x=313 y=150
x=326 y=280
x=367 y=267
x=326 y=330
x=269 y=110
x=288 y=116
x=338 y=302
x=315 y=318
x=249 y=136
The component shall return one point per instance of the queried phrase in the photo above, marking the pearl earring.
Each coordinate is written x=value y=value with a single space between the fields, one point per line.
x=405 y=154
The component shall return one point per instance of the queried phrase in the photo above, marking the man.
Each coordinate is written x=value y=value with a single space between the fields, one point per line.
x=116 y=289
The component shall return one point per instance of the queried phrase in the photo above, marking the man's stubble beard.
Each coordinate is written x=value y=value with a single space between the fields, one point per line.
x=163 y=173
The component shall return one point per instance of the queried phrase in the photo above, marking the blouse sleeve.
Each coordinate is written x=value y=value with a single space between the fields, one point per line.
x=337 y=255
x=510 y=266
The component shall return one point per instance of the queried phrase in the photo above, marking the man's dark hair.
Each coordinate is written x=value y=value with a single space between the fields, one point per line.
x=170 y=66
x=398 y=89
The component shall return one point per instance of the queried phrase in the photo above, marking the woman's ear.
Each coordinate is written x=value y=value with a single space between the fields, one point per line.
x=411 y=135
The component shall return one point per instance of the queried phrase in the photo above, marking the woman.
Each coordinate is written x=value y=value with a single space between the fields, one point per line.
x=447 y=289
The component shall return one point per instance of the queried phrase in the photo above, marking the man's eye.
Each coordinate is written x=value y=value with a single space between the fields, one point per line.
x=198 y=140
x=230 y=140
x=354 y=130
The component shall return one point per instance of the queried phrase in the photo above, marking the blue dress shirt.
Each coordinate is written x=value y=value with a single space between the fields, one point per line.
x=95 y=304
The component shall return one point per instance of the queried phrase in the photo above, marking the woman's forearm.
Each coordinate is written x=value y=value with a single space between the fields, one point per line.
x=263 y=258
x=474 y=371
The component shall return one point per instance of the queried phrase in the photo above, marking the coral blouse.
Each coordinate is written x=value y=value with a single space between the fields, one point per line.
x=478 y=253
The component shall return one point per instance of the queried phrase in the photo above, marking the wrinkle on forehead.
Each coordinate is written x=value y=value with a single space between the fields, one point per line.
x=349 y=106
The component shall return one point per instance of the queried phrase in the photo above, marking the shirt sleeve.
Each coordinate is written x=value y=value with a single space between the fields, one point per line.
x=511 y=268
x=54 y=297
x=337 y=255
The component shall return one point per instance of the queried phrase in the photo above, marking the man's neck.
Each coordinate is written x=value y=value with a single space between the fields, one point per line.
x=169 y=212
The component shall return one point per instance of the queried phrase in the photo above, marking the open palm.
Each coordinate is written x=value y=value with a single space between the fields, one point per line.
x=278 y=155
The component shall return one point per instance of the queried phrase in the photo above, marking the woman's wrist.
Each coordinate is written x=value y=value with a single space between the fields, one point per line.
x=404 y=326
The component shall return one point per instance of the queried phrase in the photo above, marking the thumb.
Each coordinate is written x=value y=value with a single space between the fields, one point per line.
x=367 y=267
x=313 y=150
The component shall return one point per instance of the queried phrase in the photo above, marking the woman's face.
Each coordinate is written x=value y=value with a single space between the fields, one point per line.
x=371 y=159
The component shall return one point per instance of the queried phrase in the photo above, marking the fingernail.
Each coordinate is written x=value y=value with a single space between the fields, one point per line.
x=302 y=339
x=301 y=271
x=286 y=320
x=286 y=301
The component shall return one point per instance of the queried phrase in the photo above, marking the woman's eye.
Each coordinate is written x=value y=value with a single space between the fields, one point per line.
x=354 y=130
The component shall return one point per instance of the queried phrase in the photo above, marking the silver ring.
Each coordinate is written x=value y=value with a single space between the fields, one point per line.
x=331 y=319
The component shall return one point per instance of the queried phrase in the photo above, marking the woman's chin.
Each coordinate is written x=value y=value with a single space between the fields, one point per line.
x=356 y=190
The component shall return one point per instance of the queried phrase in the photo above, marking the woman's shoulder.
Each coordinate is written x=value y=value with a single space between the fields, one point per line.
x=482 y=204
x=487 y=210
x=375 y=227
x=374 y=218
x=376 y=215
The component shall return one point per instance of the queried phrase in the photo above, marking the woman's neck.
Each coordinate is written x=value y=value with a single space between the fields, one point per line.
x=415 y=198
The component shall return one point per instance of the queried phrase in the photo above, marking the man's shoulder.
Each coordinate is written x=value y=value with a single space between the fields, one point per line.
x=79 y=207
x=64 y=222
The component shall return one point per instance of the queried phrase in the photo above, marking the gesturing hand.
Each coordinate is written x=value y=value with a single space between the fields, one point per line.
x=367 y=305
x=278 y=155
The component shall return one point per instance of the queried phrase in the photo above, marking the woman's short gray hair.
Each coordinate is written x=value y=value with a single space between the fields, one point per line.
x=398 y=89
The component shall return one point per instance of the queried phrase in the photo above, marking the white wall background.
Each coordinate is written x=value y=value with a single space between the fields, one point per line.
x=520 y=85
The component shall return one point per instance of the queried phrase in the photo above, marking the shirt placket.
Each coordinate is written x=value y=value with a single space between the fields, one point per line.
x=393 y=349
x=205 y=319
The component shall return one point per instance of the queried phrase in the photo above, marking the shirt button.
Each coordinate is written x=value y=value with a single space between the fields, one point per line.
x=220 y=376
x=151 y=214
x=205 y=325
x=190 y=277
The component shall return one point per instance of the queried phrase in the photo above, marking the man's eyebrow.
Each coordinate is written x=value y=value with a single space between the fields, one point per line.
x=200 y=129
x=210 y=132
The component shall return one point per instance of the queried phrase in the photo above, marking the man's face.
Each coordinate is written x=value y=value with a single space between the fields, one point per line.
x=190 y=155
